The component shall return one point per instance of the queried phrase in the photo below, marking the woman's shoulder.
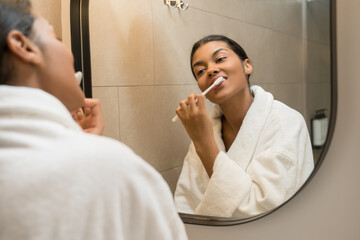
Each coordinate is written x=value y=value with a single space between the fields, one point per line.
x=280 y=113
x=286 y=120
x=100 y=152
x=283 y=112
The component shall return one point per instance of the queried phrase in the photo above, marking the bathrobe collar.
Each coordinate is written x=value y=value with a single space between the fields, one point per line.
x=243 y=147
x=34 y=103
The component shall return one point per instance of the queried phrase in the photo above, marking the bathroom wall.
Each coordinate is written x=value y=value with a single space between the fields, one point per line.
x=317 y=58
x=51 y=11
x=140 y=64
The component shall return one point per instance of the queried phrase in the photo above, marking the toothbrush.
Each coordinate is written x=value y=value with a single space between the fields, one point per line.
x=217 y=82
x=78 y=77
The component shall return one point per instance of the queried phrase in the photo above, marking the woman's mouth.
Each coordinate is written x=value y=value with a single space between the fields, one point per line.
x=220 y=85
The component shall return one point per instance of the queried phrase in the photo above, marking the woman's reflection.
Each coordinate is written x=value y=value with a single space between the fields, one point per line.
x=252 y=153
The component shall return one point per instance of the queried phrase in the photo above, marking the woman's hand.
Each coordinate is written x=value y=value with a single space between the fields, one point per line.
x=198 y=125
x=89 y=117
x=195 y=119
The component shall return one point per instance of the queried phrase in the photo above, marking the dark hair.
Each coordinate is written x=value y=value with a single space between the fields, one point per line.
x=231 y=43
x=14 y=15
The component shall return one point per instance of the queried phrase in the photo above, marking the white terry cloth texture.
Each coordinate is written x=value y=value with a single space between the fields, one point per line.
x=269 y=160
x=58 y=182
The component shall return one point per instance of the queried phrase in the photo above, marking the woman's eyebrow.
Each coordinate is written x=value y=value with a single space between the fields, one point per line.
x=198 y=63
x=212 y=55
x=217 y=51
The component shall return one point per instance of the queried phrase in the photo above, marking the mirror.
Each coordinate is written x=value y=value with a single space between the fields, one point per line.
x=139 y=68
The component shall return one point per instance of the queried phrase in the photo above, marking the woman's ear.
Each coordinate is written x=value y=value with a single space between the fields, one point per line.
x=248 y=67
x=23 y=48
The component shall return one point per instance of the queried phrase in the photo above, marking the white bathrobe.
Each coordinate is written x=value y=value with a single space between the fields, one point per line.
x=269 y=160
x=57 y=182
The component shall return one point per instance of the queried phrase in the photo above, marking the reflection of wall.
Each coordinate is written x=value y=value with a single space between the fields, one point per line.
x=140 y=62
x=51 y=11
x=318 y=58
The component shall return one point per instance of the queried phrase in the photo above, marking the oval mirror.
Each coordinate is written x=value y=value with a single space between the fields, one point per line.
x=135 y=58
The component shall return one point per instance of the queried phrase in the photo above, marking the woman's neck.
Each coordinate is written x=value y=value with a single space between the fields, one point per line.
x=235 y=109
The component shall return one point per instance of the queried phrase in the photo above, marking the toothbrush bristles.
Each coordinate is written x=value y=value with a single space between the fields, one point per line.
x=219 y=80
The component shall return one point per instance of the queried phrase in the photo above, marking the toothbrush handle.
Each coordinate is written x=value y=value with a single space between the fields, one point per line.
x=175 y=118
x=203 y=93
x=207 y=90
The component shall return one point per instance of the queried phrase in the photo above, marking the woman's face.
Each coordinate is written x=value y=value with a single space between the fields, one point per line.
x=56 y=72
x=216 y=59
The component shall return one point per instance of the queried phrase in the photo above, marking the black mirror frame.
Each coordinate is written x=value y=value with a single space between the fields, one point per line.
x=80 y=43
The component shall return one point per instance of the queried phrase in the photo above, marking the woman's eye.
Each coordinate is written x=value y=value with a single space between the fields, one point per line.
x=200 y=72
x=220 y=59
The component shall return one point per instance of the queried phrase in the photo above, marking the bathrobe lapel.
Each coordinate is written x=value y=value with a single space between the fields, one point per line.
x=243 y=147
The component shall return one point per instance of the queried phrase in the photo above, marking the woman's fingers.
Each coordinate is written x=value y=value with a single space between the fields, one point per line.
x=184 y=109
x=87 y=110
x=201 y=103
x=192 y=102
x=92 y=106
x=78 y=115
x=90 y=117
x=191 y=107
x=74 y=116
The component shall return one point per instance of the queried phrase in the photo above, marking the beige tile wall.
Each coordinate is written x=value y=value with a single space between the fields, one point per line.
x=51 y=10
x=278 y=15
x=318 y=76
x=140 y=63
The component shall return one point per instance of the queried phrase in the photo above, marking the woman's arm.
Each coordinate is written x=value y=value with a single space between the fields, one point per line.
x=193 y=115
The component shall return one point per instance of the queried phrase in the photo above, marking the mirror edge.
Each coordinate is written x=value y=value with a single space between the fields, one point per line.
x=80 y=42
x=216 y=221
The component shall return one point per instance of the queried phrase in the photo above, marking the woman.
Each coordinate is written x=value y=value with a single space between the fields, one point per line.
x=57 y=181
x=252 y=153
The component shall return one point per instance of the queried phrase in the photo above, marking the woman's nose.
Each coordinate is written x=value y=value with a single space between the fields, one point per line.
x=212 y=72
